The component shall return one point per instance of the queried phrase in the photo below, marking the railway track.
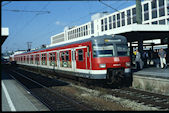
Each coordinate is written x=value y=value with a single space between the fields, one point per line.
x=55 y=101
x=147 y=98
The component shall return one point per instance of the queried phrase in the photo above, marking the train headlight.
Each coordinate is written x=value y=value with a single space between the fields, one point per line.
x=128 y=64
x=102 y=65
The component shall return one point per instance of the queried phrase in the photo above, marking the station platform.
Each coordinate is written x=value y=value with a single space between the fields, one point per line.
x=16 y=98
x=152 y=79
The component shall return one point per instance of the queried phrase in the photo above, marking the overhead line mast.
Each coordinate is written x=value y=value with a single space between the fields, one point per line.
x=138 y=12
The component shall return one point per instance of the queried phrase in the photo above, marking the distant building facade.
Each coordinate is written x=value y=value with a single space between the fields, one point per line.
x=153 y=12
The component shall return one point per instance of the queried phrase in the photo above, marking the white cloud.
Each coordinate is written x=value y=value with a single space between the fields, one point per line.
x=58 y=23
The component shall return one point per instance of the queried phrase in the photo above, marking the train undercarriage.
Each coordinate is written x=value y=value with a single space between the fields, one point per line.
x=115 y=78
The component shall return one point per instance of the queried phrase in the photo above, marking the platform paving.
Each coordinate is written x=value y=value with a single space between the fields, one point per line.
x=152 y=79
x=154 y=72
x=16 y=98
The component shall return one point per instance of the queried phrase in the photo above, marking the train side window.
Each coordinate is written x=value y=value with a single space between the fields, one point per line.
x=62 y=56
x=43 y=59
x=67 y=55
x=37 y=59
x=80 y=55
x=52 y=59
x=28 y=59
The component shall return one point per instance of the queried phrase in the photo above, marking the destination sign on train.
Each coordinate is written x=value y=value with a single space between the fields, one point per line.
x=107 y=40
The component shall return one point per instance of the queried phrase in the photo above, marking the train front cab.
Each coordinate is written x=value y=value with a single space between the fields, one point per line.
x=111 y=54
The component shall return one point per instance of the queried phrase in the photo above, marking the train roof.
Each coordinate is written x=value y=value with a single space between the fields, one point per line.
x=100 y=38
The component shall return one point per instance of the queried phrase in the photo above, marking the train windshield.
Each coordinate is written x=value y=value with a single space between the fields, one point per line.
x=122 y=50
x=103 y=51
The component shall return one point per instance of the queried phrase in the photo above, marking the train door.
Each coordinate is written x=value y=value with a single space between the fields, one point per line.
x=73 y=59
x=82 y=58
x=58 y=59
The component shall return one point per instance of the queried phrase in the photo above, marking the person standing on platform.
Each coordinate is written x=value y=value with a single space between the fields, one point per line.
x=162 y=55
x=155 y=58
x=138 y=60
x=145 y=57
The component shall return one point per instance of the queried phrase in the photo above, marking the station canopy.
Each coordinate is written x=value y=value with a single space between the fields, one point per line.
x=4 y=35
x=136 y=32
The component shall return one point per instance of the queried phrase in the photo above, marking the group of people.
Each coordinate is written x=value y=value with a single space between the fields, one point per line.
x=158 y=58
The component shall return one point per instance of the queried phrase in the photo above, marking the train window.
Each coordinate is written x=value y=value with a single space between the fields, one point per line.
x=28 y=59
x=24 y=59
x=80 y=55
x=31 y=59
x=122 y=50
x=103 y=51
x=67 y=55
x=62 y=56
x=52 y=59
x=37 y=60
x=43 y=59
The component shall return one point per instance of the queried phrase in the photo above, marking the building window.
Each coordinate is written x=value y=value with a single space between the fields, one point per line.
x=134 y=15
x=81 y=31
x=80 y=55
x=161 y=12
x=134 y=11
x=146 y=16
x=154 y=14
x=77 y=32
x=146 y=12
x=145 y=7
x=128 y=17
x=92 y=27
x=162 y=21
x=105 y=20
x=102 y=26
x=155 y=22
x=168 y=21
x=110 y=22
x=114 y=21
x=161 y=3
x=154 y=4
x=86 y=30
x=118 y=20
x=123 y=18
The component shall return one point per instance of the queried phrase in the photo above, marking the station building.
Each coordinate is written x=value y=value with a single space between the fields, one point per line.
x=155 y=25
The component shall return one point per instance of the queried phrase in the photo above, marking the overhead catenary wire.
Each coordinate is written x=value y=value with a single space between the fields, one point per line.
x=41 y=12
x=6 y=3
x=115 y=9
x=75 y=21
x=31 y=11
x=30 y=21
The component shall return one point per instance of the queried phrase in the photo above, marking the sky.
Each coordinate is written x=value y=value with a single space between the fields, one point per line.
x=29 y=25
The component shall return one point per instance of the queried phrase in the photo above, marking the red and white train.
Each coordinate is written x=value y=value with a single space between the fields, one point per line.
x=98 y=58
